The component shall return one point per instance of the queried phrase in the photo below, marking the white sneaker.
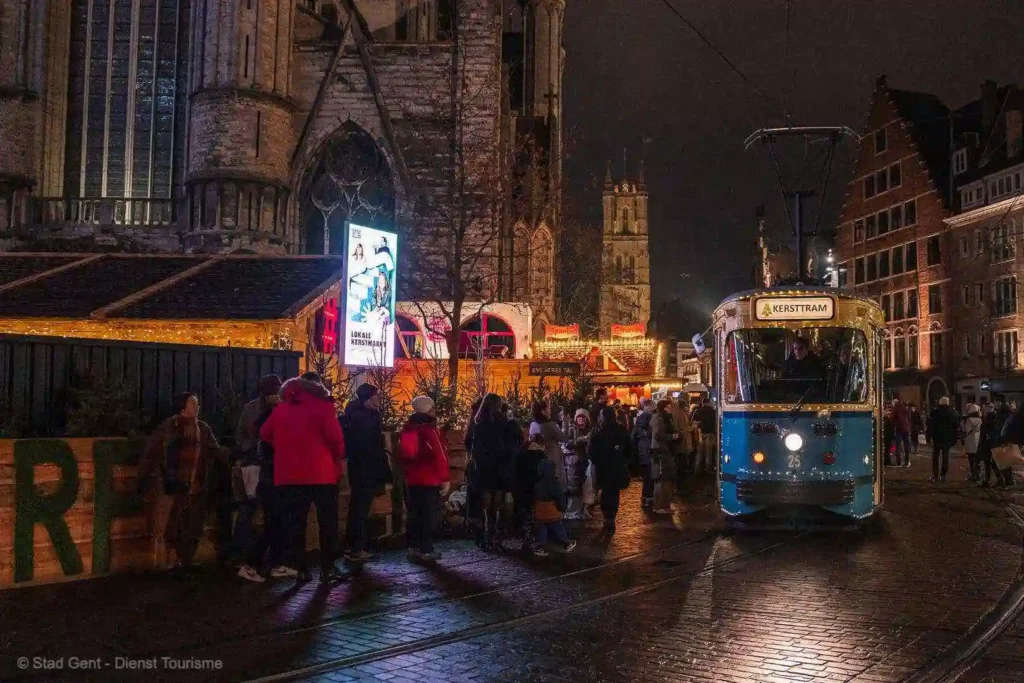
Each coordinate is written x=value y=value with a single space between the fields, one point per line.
x=250 y=574
x=283 y=572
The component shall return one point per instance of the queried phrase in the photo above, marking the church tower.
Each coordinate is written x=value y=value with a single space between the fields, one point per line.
x=625 y=260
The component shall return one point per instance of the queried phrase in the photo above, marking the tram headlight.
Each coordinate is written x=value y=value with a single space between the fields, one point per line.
x=793 y=441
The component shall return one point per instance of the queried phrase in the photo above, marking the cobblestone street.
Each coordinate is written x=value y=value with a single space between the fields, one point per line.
x=680 y=599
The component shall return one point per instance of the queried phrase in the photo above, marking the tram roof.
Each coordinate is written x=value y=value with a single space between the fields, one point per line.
x=796 y=290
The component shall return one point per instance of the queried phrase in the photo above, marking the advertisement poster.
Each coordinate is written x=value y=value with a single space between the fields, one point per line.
x=370 y=279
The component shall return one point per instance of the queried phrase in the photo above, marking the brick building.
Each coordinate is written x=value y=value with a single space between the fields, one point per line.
x=928 y=227
x=265 y=125
x=984 y=235
x=890 y=238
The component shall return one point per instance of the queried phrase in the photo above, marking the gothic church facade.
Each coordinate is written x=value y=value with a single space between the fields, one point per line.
x=262 y=126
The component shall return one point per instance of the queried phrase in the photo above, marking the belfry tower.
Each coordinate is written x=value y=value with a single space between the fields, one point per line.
x=625 y=260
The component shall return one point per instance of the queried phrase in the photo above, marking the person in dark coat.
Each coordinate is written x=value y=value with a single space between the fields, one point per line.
x=642 y=448
x=888 y=437
x=599 y=403
x=944 y=426
x=368 y=468
x=1012 y=432
x=916 y=427
x=491 y=443
x=609 y=451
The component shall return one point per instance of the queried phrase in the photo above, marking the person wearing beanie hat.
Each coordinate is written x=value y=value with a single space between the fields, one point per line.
x=576 y=464
x=944 y=427
x=425 y=465
x=367 y=466
x=422 y=404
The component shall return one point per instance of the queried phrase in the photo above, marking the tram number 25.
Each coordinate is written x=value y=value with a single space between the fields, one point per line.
x=793 y=461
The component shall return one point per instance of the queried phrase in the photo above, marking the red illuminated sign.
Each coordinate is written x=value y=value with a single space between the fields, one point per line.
x=329 y=336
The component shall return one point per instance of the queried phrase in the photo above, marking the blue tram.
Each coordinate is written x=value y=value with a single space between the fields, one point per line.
x=800 y=402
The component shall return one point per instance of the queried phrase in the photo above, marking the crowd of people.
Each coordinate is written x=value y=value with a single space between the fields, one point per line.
x=292 y=450
x=987 y=432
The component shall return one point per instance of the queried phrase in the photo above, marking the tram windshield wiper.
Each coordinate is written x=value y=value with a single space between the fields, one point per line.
x=799 y=404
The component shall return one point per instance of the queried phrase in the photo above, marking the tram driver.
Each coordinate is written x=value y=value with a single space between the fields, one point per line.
x=803 y=363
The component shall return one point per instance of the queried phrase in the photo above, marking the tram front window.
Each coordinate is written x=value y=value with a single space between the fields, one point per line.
x=811 y=365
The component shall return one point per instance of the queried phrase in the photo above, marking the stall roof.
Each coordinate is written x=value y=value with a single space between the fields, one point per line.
x=233 y=287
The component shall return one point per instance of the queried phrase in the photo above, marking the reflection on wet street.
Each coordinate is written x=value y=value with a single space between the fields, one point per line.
x=675 y=598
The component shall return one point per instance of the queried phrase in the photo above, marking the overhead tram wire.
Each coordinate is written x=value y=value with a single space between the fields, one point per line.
x=707 y=41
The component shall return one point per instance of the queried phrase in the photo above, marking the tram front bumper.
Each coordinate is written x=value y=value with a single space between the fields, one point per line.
x=793 y=492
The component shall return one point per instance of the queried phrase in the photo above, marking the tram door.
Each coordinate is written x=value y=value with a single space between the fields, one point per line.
x=879 y=409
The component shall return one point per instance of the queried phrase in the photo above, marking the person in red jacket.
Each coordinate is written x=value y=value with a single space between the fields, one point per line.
x=309 y=460
x=425 y=463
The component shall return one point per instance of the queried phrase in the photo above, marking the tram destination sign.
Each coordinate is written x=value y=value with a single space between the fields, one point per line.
x=771 y=308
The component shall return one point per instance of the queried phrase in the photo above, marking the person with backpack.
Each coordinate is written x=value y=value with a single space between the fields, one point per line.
x=642 y=448
x=972 y=441
x=548 y=502
x=609 y=451
x=309 y=461
x=368 y=467
x=425 y=464
x=183 y=448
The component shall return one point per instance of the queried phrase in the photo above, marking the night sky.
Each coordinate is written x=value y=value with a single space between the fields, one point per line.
x=635 y=71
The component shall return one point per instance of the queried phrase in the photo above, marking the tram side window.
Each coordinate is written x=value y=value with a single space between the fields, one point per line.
x=816 y=365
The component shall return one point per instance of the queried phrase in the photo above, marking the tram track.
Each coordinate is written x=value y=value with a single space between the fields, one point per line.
x=709 y=533
x=502 y=625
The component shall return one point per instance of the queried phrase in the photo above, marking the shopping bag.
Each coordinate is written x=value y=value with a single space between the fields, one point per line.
x=1007 y=456
x=250 y=480
x=589 y=494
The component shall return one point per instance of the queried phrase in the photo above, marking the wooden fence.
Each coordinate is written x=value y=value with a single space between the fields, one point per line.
x=38 y=374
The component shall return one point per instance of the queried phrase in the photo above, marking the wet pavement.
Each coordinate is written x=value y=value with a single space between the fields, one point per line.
x=667 y=599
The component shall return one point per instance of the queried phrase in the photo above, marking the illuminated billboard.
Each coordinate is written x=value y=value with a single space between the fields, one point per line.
x=370 y=280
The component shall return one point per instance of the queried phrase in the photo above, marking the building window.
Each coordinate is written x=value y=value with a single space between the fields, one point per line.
x=869 y=187
x=959 y=161
x=872 y=269
x=887 y=353
x=981 y=343
x=912 y=303
x=895 y=175
x=979 y=292
x=934 y=299
x=965 y=295
x=486 y=335
x=858 y=271
x=858 y=230
x=1005 y=349
x=872 y=226
x=882 y=180
x=910 y=212
x=911 y=257
x=1005 y=296
x=897 y=306
x=842 y=275
x=912 y=348
x=965 y=342
x=979 y=242
x=965 y=247
x=881 y=141
x=934 y=253
x=897 y=260
x=883 y=223
x=972 y=196
x=1002 y=243
x=901 y=350
x=625 y=222
x=886 y=303
x=409 y=337
x=883 y=263
x=935 y=342
x=896 y=218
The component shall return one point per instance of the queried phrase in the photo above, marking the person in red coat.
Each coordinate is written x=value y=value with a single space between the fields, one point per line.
x=309 y=460
x=425 y=464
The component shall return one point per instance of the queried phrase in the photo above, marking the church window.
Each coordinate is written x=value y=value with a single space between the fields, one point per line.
x=625 y=222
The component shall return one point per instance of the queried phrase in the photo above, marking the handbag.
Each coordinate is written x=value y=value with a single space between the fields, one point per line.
x=589 y=492
x=1007 y=455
